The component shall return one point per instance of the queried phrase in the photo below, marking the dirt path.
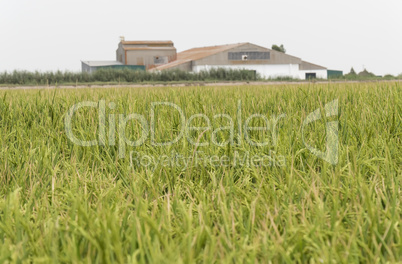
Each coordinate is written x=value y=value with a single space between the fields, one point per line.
x=178 y=85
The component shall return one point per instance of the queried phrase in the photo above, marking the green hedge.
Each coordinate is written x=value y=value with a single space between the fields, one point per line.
x=122 y=75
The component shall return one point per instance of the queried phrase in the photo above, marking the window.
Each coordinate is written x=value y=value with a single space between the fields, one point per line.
x=249 y=55
x=311 y=75
x=160 y=60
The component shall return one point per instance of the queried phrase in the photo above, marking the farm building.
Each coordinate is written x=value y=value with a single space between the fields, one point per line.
x=138 y=55
x=161 y=55
x=146 y=53
x=266 y=62
x=92 y=66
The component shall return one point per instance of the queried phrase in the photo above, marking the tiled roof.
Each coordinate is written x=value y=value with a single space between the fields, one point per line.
x=196 y=54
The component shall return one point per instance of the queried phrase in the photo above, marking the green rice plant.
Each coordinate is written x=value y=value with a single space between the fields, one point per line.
x=61 y=202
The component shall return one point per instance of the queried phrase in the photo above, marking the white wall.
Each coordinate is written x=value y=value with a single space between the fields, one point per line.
x=268 y=70
x=265 y=70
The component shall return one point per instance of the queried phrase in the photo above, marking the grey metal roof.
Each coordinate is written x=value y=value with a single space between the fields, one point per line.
x=101 y=63
x=308 y=66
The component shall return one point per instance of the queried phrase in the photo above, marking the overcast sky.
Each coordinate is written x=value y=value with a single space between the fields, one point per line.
x=338 y=34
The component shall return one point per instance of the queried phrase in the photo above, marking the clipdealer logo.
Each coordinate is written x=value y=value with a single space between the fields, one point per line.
x=332 y=139
x=187 y=126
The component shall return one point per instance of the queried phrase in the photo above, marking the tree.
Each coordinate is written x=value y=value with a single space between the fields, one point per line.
x=389 y=77
x=351 y=75
x=366 y=74
x=280 y=48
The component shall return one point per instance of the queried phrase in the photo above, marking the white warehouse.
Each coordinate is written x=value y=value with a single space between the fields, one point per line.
x=266 y=62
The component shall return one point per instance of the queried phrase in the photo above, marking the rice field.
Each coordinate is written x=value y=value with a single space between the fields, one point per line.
x=295 y=173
